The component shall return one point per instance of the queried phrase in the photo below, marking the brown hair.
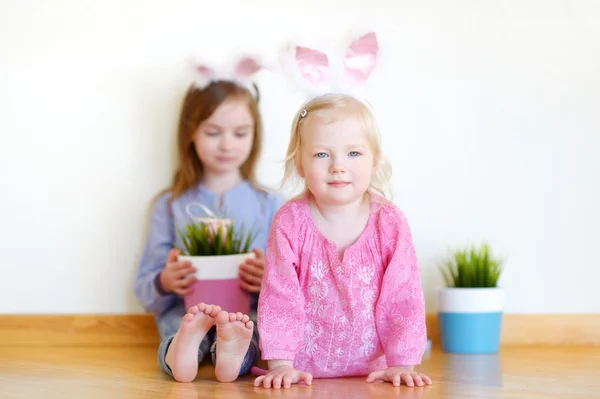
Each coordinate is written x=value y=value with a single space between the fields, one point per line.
x=198 y=105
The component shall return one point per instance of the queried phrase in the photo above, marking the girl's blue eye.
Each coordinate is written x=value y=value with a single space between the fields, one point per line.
x=354 y=153
x=321 y=155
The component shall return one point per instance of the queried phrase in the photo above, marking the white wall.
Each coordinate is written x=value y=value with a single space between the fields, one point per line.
x=490 y=110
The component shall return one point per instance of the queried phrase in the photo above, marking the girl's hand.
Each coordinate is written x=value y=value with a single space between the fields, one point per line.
x=177 y=276
x=397 y=375
x=251 y=272
x=284 y=375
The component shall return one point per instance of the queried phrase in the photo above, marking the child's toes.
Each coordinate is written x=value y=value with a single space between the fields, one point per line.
x=222 y=318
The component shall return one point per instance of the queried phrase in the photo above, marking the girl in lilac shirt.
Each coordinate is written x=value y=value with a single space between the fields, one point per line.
x=219 y=143
x=341 y=294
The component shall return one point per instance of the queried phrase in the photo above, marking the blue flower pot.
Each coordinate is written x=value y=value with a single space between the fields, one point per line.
x=470 y=319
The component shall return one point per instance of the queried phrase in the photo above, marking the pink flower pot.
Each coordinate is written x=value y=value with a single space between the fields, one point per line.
x=218 y=282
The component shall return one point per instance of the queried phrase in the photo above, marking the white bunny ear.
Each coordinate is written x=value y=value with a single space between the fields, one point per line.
x=345 y=68
x=205 y=71
x=246 y=67
x=308 y=69
x=238 y=71
x=361 y=58
x=202 y=74
x=313 y=65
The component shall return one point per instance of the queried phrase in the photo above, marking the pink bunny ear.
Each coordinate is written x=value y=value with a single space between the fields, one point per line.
x=361 y=57
x=202 y=74
x=247 y=67
x=205 y=71
x=312 y=64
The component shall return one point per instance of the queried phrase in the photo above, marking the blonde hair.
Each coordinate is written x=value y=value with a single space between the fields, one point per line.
x=328 y=108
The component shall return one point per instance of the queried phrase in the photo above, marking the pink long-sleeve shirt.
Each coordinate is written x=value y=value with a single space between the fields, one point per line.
x=337 y=318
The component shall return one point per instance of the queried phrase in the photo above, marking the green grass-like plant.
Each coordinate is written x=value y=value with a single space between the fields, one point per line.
x=472 y=268
x=200 y=239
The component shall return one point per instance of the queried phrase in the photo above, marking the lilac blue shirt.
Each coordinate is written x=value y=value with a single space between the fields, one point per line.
x=251 y=207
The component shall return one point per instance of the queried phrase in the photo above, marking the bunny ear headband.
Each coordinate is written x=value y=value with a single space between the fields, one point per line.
x=240 y=72
x=344 y=71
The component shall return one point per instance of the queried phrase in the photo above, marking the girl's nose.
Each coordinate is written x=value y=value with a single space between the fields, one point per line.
x=337 y=166
x=225 y=143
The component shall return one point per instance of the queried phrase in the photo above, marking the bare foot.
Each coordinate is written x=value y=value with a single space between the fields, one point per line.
x=182 y=355
x=234 y=333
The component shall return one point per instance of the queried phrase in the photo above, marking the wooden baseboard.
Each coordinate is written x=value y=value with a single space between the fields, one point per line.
x=78 y=330
x=140 y=330
x=539 y=329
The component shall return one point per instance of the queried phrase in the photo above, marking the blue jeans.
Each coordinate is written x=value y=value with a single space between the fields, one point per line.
x=168 y=325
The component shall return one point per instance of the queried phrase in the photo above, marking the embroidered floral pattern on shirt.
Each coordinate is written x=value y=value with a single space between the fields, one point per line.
x=335 y=318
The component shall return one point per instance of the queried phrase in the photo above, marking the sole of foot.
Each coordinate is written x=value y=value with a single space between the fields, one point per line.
x=234 y=333
x=182 y=355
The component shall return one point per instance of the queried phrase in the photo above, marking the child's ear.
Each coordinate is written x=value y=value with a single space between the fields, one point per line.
x=299 y=167
x=196 y=132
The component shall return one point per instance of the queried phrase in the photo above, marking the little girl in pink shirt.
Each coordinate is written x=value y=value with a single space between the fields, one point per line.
x=341 y=293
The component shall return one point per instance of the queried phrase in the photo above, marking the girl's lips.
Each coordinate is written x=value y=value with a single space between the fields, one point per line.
x=338 y=183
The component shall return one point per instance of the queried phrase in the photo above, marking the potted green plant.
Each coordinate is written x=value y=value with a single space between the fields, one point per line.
x=471 y=305
x=216 y=247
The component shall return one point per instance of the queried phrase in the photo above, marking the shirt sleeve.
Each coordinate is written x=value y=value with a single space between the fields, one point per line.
x=281 y=302
x=154 y=256
x=274 y=204
x=277 y=200
x=400 y=309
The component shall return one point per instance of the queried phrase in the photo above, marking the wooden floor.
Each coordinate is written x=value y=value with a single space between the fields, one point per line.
x=118 y=372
